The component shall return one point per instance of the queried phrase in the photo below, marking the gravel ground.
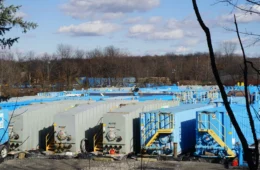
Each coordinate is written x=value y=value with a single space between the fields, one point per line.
x=83 y=164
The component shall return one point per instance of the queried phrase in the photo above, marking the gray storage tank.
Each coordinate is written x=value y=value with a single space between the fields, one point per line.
x=78 y=126
x=29 y=124
x=121 y=132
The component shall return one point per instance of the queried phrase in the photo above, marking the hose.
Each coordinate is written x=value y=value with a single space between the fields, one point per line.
x=83 y=146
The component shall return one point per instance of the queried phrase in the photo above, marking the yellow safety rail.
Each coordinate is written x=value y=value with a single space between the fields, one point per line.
x=49 y=144
x=216 y=129
x=221 y=143
x=159 y=129
x=49 y=140
x=98 y=139
x=215 y=136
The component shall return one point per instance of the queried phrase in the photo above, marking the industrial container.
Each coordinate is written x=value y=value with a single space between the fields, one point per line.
x=4 y=138
x=121 y=132
x=160 y=129
x=30 y=124
x=216 y=136
x=77 y=127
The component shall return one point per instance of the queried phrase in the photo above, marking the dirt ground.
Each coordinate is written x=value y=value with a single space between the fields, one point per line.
x=85 y=164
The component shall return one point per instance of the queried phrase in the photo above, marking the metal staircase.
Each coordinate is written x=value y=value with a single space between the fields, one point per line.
x=207 y=126
x=221 y=143
x=150 y=135
x=49 y=141
x=155 y=136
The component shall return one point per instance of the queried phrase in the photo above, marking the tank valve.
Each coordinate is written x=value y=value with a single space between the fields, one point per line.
x=61 y=135
x=111 y=136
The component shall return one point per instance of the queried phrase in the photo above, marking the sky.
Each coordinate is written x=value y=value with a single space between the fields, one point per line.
x=139 y=27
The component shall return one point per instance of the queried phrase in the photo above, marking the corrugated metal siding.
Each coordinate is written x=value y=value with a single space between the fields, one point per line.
x=185 y=126
x=222 y=124
x=80 y=122
x=184 y=117
x=130 y=129
x=29 y=121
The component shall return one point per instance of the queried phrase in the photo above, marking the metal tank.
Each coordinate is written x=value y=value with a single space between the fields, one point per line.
x=4 y=138
x=30 y=124
x=77 y=127
x=216 y=136
x=121 y=132
x=160 y=129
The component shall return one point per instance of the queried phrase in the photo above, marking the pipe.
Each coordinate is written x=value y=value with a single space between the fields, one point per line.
x=175 y=146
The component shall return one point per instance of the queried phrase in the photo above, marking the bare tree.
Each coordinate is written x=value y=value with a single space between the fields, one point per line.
x=253 y=164
x=68 y=65
x=248 y=8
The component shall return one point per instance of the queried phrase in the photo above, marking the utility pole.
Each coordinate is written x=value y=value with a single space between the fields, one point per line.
x=48 y=72
x=48 y=69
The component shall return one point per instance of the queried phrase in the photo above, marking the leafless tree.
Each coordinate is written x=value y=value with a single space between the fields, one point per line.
x=252 y=163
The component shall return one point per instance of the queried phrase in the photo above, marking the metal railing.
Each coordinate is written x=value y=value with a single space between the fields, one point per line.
x=97 y=136
x=157 y=126
x=210 y=124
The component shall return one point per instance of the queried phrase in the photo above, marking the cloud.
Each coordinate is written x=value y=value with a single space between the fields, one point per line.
x=95 y=28
x=186 y=23
x=245 y=40
x=20 y=14
x=154 y=32
x=133 y=20
x=181 y=50
x=167 y=35
x=188 y=42
x=242 y=17
x=141 y=28
x=92 y=8
x=111 y=16
x=155 y=19
x=192 y=41
x=162 y=51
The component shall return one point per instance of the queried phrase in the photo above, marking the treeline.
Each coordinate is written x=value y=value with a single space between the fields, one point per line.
x=67 y=64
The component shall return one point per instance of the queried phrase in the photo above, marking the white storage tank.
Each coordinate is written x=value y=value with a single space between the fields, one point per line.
x=121 y=126
x=79 y=124
x=30 y=123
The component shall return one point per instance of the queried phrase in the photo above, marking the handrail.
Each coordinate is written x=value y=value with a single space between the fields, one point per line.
x=148 y=133
x=97 y=135
x=223 y=135
x=207 y=121
x=223 y=128
x=100 y=120
x=46 y=140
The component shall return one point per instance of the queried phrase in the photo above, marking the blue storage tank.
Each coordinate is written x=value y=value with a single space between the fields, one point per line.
x=4 y=134
x=161 y=128
x=157 y=97
x=215 y=135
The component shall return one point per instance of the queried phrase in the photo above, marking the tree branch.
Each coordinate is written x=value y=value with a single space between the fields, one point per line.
x=248 y=154
x=230 y=2
x=251 y=121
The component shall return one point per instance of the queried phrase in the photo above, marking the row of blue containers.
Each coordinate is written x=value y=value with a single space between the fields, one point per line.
x=206 y=129
x=95 y=81
x=216 y=136
x=185 y=94
x=160 y=129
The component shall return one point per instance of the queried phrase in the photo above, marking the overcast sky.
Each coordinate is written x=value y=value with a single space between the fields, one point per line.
x=136 y=26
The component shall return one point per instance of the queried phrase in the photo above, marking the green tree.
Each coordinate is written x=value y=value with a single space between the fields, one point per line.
x=8 y=20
